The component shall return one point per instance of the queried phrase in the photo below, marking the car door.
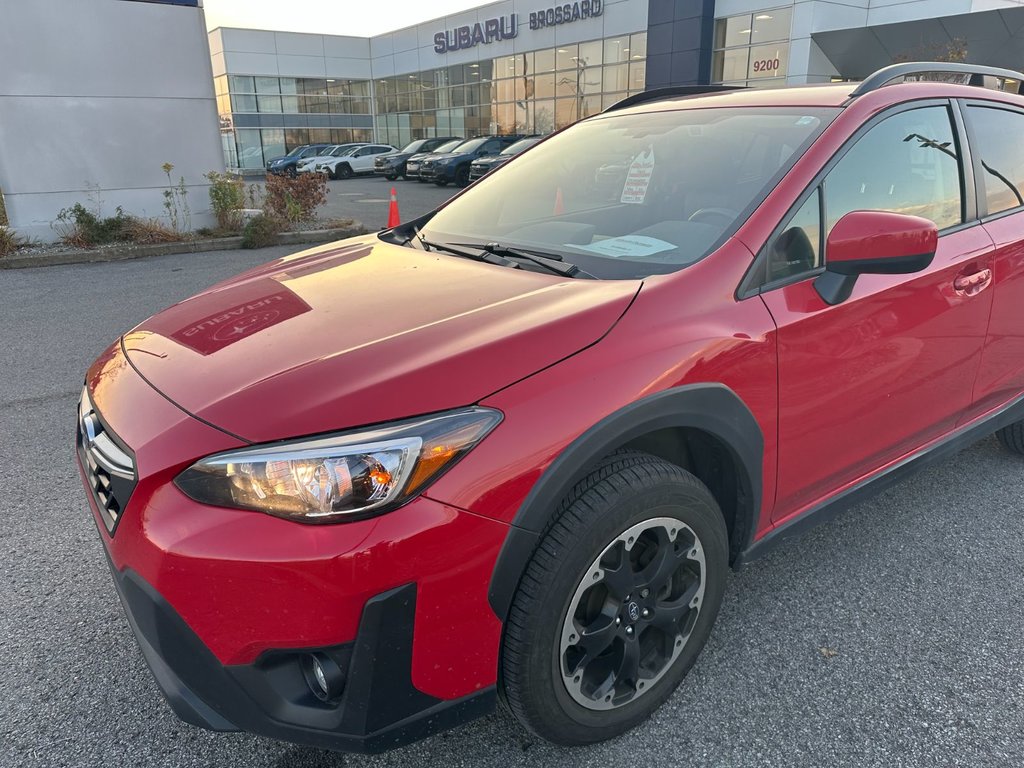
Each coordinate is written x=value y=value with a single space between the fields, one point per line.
x=892 y=367
x=996 y=132
x=362 y=159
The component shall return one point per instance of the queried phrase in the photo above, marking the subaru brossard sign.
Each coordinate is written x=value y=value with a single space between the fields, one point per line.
x=507 y=27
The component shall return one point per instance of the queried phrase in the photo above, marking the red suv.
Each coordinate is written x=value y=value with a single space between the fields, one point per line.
x=512 y=448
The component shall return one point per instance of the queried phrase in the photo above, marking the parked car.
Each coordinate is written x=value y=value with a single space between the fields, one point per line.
x=355 y=162
x=308 y=164
x=453 y=167
x=288 y=164
x=412 y=164
x=514 y=445
x=392 y=165
x=483 y=166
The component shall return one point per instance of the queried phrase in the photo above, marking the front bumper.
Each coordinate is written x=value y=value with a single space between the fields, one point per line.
x=225 y=602
x=378 y=709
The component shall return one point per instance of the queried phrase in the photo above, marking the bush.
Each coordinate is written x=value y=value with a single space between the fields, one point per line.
x=3 y=211
x=149 y=231
x=295 y=200
x=80 y=227
x=227 y=198
x=10 y=241
x=261 y=231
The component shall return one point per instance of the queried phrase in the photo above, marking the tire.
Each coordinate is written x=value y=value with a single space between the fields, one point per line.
x=627 y=497
x=462 y=176
x=441 y=182
x=331 y=174
x=293 y=172
x=1012 y=437
x=343 y=171
x=390 y=176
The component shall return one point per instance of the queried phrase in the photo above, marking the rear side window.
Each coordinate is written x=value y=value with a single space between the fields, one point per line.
x=908 y=163
x=998 y=139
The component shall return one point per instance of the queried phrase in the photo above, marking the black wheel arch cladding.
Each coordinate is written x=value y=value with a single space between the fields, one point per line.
x=712 y=409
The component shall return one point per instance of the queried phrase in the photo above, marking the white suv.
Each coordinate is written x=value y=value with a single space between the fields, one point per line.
x=309 y=164
x=356 y=161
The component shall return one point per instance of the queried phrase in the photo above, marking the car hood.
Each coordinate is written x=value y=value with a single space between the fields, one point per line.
x=361 y=332
x=394 y=156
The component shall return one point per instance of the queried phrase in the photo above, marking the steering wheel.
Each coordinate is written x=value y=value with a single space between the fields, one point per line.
x=726 y=214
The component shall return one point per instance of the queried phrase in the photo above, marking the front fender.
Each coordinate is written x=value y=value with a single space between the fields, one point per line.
x=711 y=408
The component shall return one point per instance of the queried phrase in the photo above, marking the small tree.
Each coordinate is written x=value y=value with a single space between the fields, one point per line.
x=227 y=198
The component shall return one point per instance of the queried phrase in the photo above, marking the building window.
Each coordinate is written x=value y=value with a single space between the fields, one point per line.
x=753 y=48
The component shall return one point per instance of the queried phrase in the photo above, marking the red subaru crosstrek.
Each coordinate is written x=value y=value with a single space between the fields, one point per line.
x=512 y=448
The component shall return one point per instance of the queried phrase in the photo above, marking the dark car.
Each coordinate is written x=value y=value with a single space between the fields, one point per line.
x=510 y=450
x=453 y=167
x=412 y=164
x=288 y=165
x=485 y=165
x=392 y=165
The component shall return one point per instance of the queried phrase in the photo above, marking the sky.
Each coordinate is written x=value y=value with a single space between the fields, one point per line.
x=332 y=17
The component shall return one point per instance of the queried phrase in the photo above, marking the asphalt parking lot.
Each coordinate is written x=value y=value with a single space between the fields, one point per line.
x=366 y=198
x=890 y=637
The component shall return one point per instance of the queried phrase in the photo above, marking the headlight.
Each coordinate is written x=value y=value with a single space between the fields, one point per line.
x=341 y=477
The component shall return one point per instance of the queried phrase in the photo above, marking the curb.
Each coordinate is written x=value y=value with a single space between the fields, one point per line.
x=125 y=252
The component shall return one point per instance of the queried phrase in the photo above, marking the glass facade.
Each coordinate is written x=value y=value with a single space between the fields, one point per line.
x=299 y=106
x=752 y=49
x=535 y=92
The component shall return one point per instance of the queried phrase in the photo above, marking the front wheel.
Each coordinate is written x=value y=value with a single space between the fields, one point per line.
x=617 y=601
x=462 y=177
x=343 y=171
x=390 y=176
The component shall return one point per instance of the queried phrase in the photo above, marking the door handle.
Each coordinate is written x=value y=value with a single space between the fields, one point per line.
x=972 y=284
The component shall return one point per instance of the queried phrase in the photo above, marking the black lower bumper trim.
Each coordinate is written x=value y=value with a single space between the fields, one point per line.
x=379 y=708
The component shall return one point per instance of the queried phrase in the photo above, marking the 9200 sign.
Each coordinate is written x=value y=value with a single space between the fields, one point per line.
x=767 y=65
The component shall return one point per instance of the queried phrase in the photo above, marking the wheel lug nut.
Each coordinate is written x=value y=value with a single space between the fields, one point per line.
x=645 y=613
x=617 y=621
x=645 y=592
x=629 y=630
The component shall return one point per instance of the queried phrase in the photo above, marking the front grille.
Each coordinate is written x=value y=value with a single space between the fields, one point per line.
x=109 y=467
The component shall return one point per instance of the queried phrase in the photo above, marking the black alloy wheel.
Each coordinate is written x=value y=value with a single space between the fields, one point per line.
x=617 y=601
x=462 y=176
x=343 y=171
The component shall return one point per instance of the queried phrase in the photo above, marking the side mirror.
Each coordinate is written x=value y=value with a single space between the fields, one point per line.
x=874 y=242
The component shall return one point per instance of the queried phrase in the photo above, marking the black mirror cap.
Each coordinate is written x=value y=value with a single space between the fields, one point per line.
x=835 y=284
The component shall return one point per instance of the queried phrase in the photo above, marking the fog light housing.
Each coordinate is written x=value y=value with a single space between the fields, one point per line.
x=323 y=676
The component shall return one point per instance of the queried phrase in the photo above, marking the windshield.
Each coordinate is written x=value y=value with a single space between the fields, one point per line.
x=520 y=145
x=470 y=145
x=414 y=146
x=625 y=196
x=448 y=147
x=295 y=152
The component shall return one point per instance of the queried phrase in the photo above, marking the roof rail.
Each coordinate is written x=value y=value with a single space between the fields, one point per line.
x=655 y=94
x=976 y=72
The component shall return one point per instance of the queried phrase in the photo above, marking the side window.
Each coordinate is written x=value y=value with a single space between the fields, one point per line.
x=363 y=152
x=908 y=163
x=797 y=248
x=997 y=141
x=491 y=147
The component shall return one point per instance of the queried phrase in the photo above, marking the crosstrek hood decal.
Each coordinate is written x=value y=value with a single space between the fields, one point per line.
x=363 y=332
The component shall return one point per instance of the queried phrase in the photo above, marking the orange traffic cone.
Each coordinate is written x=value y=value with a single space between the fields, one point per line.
x=393 y=219
x=559 y=203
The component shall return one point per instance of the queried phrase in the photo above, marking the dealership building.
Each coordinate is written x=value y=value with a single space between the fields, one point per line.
x=526 y=66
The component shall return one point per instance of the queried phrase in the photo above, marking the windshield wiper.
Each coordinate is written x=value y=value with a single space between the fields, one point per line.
x=553 y=262
x=485 y=256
